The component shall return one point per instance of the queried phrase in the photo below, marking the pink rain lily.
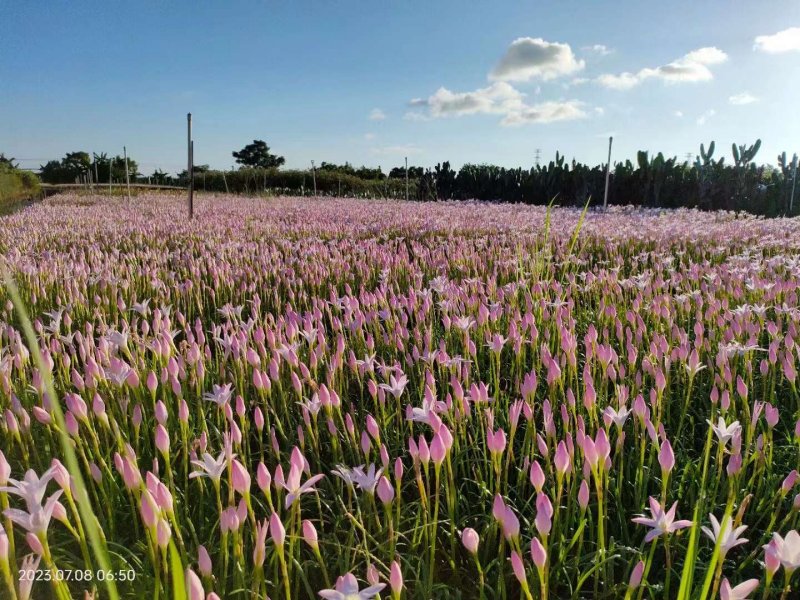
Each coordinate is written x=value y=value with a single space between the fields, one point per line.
x=292 y=484
x=396 y=386
x=219 y=394
x=788 y=550
x=210 y=467
x=347 y=589
x=31 y=487
x=366 y=481
x=725 y=433
x=730 y=538
x=740 y=592
x=37 y=519
x=660 y=522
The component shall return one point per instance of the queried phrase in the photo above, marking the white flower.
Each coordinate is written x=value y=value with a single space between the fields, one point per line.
x=730 y=539
x=725 y=433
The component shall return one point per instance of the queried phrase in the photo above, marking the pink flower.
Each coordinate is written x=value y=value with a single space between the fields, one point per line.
x=310 y=534
x=537 y=476
x=561 y=459
x=385 y=490
x=538 y=553
x=636 y=575
x=518 y=567
x=583 y=495
x=666 y=458
x=496 y=441
x=788 y=550
x=395 y=578
x=740 y=592
x=292 y=483
x=470 y=539
x=729 y=539
x=204 y=561
x=194 y=587
x=347 y=589
x=260 y=549
x=209 y=467
x=277 y=530
x=660 y=522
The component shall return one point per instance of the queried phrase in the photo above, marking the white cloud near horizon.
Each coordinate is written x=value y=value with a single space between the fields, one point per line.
x=787 y=40
x=376 y=114
x=692 y=67
x=534 y=58
x=742 y=99
x=500 y=98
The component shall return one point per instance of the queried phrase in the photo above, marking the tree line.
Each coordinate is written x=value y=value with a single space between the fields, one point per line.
x=709 y=182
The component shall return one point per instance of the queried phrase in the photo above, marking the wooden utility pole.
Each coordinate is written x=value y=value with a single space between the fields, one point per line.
x=127 y=172
x=406 y=179
x=190 y=167
x=96 y=177
x=608 y=172
x=314 y=176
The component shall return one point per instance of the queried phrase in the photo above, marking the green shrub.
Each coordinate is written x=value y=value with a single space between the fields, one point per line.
x=16 y=185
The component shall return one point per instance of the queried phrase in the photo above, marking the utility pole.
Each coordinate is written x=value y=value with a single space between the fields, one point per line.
x=127 y=172
x=96 y=177
x=538 y=156
x=794 y=182
x=608 y=172
x=190 y=167
x=314 y=176
x=406 y=179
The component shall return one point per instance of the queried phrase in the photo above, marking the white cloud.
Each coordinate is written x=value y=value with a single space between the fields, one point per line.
x=783 y=41
x=678 y=113
x=702 y=119
x=743 y=98
x=600 y=49
x=369 y=136
x=546 y=112
x=500 y=98
x=415 y=115
x=691 y=67
x=376 y=114
x=534 y=58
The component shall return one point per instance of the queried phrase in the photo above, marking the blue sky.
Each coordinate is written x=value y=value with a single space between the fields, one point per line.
x=465 y=81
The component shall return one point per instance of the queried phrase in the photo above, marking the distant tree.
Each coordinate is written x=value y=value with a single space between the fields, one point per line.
x=257 y=154
x=369 y=173
x=7 y=162
x=346 y=168
x=160 y=177
x=69 y=168
x=400 y=173
x=118 y=168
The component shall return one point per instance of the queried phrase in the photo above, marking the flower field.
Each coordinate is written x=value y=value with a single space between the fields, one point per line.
x=291 y=398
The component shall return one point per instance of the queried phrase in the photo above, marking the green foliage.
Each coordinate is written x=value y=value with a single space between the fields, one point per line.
x=257 y=154
x=15 y=184
x=79 y=166
x=291 y=182
x=400 y=172
x=348 y=169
